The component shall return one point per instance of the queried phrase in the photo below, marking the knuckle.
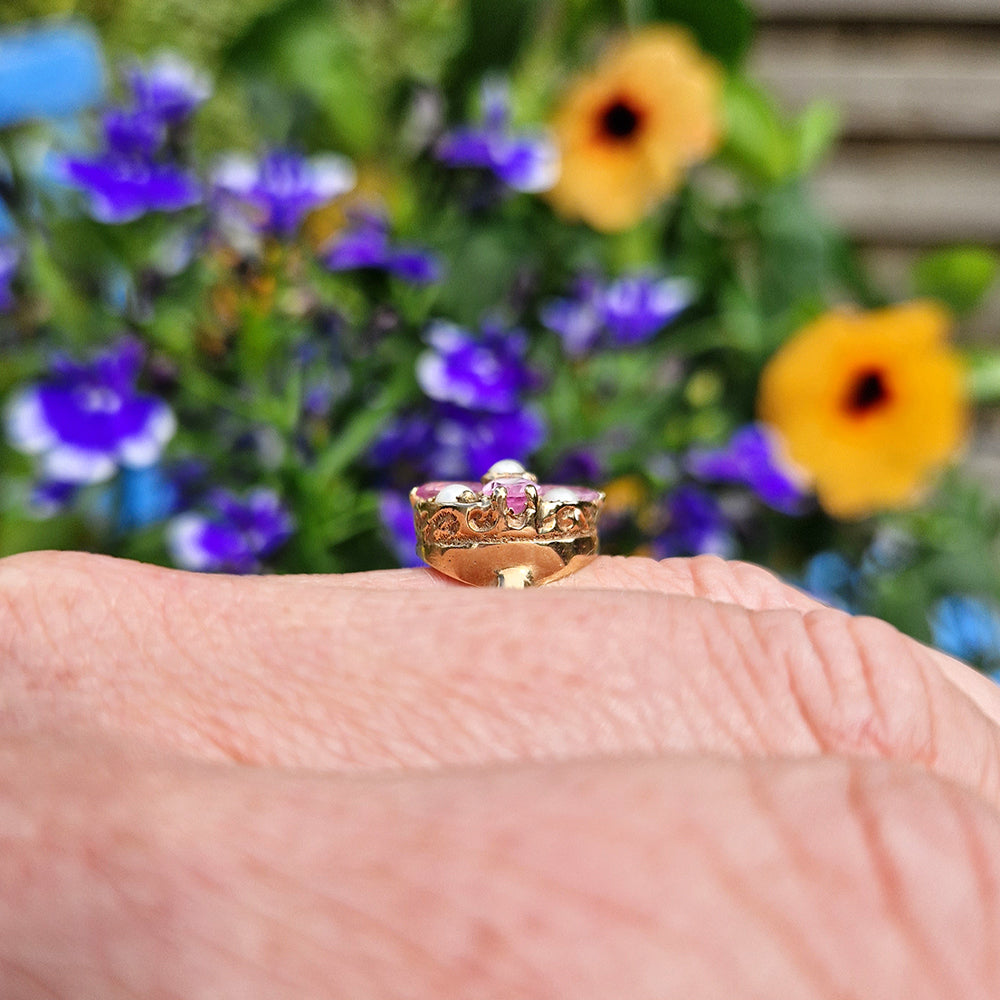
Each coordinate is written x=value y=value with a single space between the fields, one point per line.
x=863 y=687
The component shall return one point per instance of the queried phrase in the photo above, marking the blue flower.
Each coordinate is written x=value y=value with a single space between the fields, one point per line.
x=451 y=442
x=276 y=193
x=399 y=531
x=624 y=312
x=50 y=497
x=968 y=628
x=750 y=459
x=87 y=420
x=366 y=245
x=233 y=536
x=523 y=161
x=696 y=526
x=830 y=578
x=49 y=72
x=478 y=373
x=121 y=189
x=635 y=308
x=9 y=259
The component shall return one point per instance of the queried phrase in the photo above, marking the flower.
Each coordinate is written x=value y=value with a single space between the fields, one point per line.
x=366 y=245
x=233 y=536
x=637 y=307
x=121 y=189
x=87 y=419
x=967 y=627
x=168 y=88
x=451 y=442
x=136 y=172
x=751 y=458
x=628 y=131
x=49 y=71
x=830 y=578
x=484 y=373
x=696 y=526
x=399 y=531
x=524 y=161
x=625 y=312
x=276 y=193
x=9 y=259
x=869 y=404
x=577 y=320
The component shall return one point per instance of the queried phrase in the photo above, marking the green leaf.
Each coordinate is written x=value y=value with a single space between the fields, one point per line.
x=756 y=138
x=959 y=276
x=814 y=134
x=723 y=28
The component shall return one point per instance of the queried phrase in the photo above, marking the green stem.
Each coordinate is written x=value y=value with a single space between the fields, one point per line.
x=361 y=430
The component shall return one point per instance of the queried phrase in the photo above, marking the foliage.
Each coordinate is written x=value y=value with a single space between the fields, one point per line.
x=303 y=359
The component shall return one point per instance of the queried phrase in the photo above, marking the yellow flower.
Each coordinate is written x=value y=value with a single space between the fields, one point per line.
x=871 y=404
x=628 y=131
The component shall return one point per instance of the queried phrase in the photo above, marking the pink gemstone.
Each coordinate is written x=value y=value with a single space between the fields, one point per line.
x=517 y=492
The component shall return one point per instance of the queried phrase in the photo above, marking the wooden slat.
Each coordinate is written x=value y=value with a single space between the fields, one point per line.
x=938 y=11
x=914 y=194
x=891 y=268
x=921 y=82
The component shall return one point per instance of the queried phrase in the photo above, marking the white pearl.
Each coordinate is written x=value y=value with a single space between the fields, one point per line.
x=560 y=494
x=453 y=493
x=505 y=467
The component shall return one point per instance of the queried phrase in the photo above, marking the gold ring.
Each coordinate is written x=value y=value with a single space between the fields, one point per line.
x=506 y=530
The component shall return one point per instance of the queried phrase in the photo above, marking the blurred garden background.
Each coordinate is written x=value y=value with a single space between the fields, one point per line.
x=266 y=265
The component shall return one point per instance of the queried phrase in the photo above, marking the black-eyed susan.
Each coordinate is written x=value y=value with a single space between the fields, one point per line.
x=869 y=404
x=628 y=131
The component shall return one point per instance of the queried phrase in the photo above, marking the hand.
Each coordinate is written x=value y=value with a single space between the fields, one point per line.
x=648 y=780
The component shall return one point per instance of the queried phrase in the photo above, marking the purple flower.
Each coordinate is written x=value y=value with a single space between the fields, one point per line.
x=398 y=528
x=122 y=188
x=578 y=320
x=636 y=308
x=454 y=443
x=86 y=420
x=523 y=161
x=751 y=459
x=366 y=245
x=627 y=311
x=50 y=497
x=9 y=258
x=168 y=88
x=478 y=373
x=129 y=132
x=275 y=193
x=696 y=525
x=234 y=536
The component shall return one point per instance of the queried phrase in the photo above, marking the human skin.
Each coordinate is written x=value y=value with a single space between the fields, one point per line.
x=649 y=780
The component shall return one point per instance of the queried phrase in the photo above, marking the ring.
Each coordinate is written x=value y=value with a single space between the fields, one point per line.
x=507 y=530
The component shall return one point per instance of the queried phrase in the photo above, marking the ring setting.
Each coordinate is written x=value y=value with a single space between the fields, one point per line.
x=506 y=530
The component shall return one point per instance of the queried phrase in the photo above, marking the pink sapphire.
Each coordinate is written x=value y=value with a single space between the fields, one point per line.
x=517 y=492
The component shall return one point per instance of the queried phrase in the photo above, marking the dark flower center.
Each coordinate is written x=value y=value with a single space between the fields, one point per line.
x=868 y=392
x=619 y=120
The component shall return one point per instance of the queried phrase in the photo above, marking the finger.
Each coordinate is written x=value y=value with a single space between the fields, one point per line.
x=297 y=672
x=702 y=576
x=692 y=878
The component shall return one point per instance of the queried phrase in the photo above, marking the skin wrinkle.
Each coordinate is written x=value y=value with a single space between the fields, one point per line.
x=888 y=878
x=987 y=878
